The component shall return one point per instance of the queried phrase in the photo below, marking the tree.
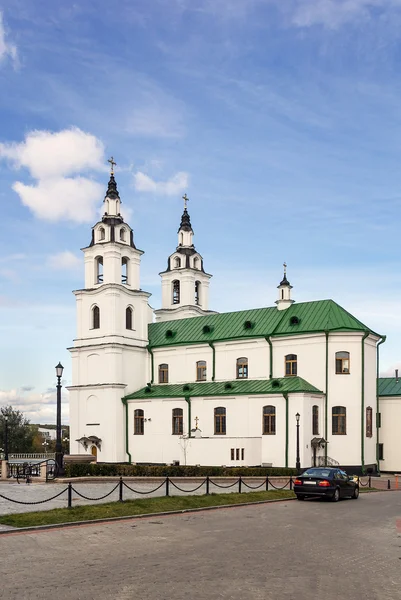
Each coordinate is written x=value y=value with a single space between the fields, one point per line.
x=20 y=432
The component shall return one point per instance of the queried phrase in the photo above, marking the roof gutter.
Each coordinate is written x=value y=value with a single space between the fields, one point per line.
x=269 y=341
x=378 y=423
x=365 y=335
x=125 y=402
x=152 y=361
x=188 y=401
x=285 y=394
x=211 y=344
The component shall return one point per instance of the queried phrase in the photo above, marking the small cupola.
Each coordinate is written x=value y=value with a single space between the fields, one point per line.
x=112 y=201
x=185 y=231
x=284 y=292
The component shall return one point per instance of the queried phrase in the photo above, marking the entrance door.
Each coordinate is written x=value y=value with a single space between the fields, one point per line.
x=94 y=451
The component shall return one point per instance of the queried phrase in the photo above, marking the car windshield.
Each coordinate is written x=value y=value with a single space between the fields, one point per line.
x=317 y=473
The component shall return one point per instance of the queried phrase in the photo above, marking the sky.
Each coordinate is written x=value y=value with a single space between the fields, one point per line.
x=281 y=120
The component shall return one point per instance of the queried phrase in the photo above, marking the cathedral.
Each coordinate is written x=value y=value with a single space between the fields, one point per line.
x=186 y=385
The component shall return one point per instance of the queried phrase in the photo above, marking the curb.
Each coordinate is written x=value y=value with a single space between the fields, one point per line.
x=36 y=528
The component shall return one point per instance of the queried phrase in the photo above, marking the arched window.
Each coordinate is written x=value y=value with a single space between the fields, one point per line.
x=269 y=420
x=177 y=262
x=128 y=318
x=122 y=234
x=220 y=421
x=176 y=292
x=124 y=270
x=178 y=421
x=197 y=292
x=181 y=239
x=196 y=262
x=163 y=373
x=99 y=269
x=201 y=370
x=139 y=422
x=342 y=363
x=369 y=421
x=315 y=420
x=291 y=365
x=339 y=420
x=102 y=234
x=242 y=368
x=95 y=317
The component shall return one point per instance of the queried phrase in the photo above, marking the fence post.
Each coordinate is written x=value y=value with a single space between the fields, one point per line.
x=239 y=484
x=167 y=486
x=370 y=481
x=388 y=484
x=120 y=490
x=396 y=482
x=70 y=495
x=207 y=485
x=291 y=483
x=267 y=483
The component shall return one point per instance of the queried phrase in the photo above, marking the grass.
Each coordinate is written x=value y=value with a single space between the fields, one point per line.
x=131 y=508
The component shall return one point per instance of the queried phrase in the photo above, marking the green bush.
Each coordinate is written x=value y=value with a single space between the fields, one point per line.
x=125 y=470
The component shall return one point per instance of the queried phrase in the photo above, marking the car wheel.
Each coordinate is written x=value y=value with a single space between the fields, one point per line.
x=355 y=495
x=336 y=496
x=300 y=497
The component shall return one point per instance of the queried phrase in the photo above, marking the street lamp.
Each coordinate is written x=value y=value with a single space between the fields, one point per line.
x=6 y=437
x=59 y=449
x=45 y=444
x=298 y=462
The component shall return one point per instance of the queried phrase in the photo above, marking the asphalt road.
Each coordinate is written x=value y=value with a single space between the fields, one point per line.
x=292 y=550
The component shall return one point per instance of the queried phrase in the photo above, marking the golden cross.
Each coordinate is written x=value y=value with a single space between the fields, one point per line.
x=196 y=422
x=113 y=164
x=186 y=199
x=285 y=268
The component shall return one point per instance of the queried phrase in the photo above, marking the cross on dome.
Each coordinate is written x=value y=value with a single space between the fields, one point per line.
x=112 y=165
x=186 y=200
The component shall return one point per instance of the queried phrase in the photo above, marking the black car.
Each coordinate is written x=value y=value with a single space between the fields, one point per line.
x=325 y=482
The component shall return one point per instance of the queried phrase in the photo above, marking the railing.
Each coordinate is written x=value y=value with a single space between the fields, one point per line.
x=28 y=456
x=28 y=470
x=326 y=461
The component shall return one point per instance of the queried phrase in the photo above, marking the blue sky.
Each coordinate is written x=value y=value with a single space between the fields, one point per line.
x=281 y=120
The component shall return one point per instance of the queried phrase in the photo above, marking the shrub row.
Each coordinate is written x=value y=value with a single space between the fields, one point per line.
x=125 y=470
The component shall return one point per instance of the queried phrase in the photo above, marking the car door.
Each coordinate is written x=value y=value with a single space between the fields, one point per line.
x=344 y=483
x=340 y=482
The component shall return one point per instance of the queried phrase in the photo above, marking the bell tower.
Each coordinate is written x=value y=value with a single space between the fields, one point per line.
x=109 y=354
x=284 y=292
x=185 y=284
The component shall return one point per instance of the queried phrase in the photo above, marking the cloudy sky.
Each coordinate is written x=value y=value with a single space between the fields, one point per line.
x=280 y=119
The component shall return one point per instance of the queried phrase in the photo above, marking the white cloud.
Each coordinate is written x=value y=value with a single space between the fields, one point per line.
x=334 y=13
x=64 y=260
x=37 y=407
x=51 y=159
x=7 y=48
x=176 y=184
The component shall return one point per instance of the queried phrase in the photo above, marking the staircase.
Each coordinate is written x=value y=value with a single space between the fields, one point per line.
x=326 y=461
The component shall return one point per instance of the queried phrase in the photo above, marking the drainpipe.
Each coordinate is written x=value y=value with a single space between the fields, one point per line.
x=268 y=340
x=286 y=428
x=152 y=362
x=326 y=433
x=214 y=360
x=188 y=401
x=383 y=339
x=365 y=335
x=125 y=402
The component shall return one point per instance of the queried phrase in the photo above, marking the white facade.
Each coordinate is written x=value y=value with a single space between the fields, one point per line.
x=114 y=358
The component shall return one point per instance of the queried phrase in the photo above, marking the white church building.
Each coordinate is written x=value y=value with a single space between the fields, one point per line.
x=184 y=384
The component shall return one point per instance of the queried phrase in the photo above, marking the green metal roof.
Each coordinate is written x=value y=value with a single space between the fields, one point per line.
x=226 y=388
x=303 y=317
x=389 y=386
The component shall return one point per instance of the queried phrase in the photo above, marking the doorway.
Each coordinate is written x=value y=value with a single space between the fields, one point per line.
x=94 y=452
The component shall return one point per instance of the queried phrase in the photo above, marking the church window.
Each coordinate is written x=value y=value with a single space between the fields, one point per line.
x=128 y=318
x=102 y=234
x=124 y=270
x=291 y=365
x=95 y=317
x=196 y=262
x=315 y=420
x=139 y=421
x=181 y=239
x=176 y=292
x=269 y=420
x=197 y=292
x=219 y=421
x=122 y=235
x=282 y=294
x=339 y=420
x=342 y=363
x=369 y=421
x=242 y=368
x=99 y=269
x=178 y=421
x=201 y=370
x=163 y=373
x=177 y=262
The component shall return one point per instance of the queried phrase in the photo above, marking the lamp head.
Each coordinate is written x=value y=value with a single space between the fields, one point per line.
x=297 y=416
x=59 y=370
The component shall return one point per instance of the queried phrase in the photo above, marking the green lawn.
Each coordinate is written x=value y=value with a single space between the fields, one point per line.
x=136 y=507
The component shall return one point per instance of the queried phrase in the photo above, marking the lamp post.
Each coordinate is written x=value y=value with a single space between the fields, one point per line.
x=298 y=462
x=6 y=437
x=59 y=449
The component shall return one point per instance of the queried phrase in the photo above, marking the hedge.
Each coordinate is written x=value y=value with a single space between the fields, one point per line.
x=125 y=470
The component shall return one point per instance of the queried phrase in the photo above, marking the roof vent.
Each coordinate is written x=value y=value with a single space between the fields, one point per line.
x=148 y=389
x=170 y=333
x=294 y=321
x=228 y=386
x=248 y=325
x=186 y=388
x=276 y=383
x=207 y=329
